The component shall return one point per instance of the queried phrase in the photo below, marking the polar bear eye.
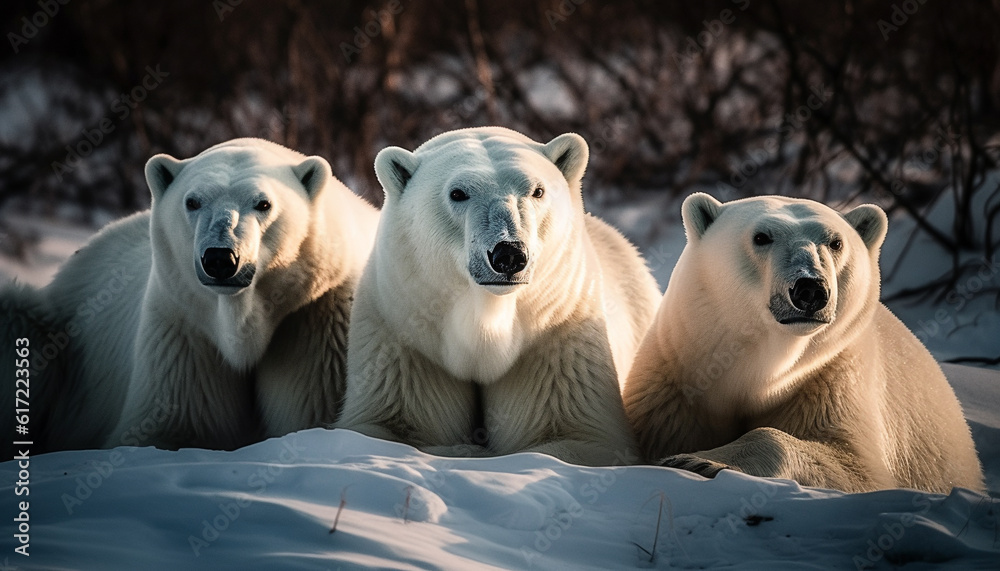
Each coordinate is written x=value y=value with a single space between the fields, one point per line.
x=458 y=195
x=762 y=239
x=538 y=192
x=192 y=204
x=836 y=244
x=262 y=206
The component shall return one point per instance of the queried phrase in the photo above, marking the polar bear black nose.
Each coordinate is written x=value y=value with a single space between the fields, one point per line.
x=220 y=263
x=808 y=295
x=508 y=258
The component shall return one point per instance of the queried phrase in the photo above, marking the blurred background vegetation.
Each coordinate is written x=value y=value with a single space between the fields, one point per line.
x=893 y=102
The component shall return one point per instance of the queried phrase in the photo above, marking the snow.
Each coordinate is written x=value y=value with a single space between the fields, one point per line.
x=979 y=392
x=273 y=504
x=959 y=323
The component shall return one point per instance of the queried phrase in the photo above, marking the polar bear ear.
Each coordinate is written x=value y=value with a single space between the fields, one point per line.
x=699 y=211
x=314 y=173
x=871 y=223
x=394 y=168
x=570 y=153
x=161 y=170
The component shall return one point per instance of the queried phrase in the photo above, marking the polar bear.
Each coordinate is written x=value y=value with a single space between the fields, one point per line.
x=495 y=315
x=219 y=316
x=771 y=354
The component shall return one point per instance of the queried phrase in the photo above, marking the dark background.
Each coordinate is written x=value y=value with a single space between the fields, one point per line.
x=673 y=97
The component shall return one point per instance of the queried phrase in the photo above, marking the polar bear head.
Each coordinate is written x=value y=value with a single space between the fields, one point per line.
x=240 y=207
x=481 y=206
x=793 y=268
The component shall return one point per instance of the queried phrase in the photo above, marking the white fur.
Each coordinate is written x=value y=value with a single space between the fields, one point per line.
x=854 y=404
x=170 y=361
x=432 y=321
x=482 y=335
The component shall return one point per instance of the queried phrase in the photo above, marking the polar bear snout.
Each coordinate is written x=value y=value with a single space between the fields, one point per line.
x=508 y=258
x=220 y=269
x=220 y=263
x=501 y=268
x=804 y=288
x=804 y=307
x=809 y=295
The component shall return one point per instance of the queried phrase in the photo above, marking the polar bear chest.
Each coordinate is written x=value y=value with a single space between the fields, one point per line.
x=239 y=326
x=481 y=336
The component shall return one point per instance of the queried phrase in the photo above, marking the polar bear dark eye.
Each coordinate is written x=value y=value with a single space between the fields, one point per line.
x=836 y=245
x=262 y=206
x=538 y=192
x=458 y=195
x=192 y=204
x=762 y=239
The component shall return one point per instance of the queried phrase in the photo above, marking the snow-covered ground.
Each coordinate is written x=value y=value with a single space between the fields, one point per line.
x=274 y=504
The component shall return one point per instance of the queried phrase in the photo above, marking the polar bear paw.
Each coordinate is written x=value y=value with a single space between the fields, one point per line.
x=692 y=463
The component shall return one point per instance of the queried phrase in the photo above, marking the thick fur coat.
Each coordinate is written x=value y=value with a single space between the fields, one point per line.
x=217 y=318
x=495 y=315
x=771 y=354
